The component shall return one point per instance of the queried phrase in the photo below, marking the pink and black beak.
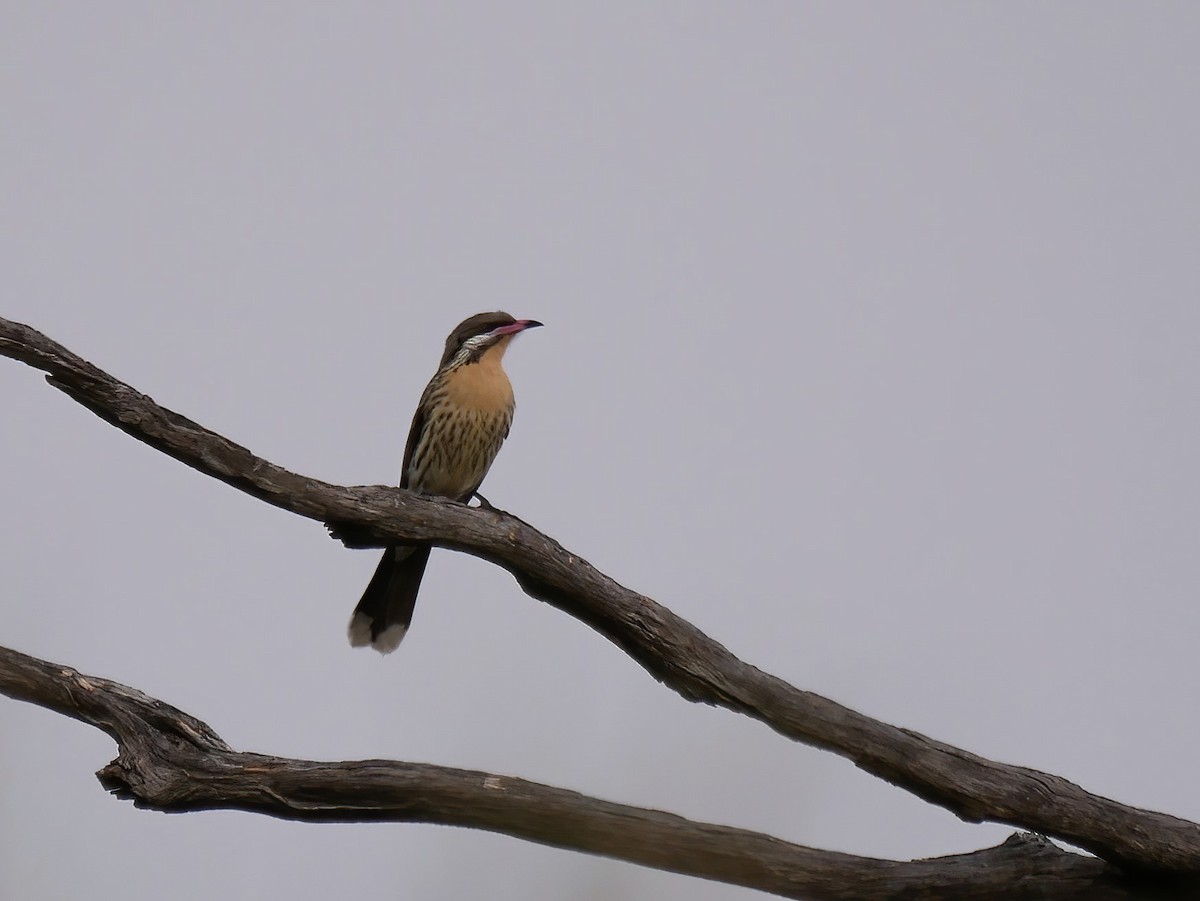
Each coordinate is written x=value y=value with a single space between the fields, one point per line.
x=517 y=327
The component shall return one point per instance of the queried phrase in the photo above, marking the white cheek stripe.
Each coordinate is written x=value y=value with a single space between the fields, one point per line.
x=469 y=347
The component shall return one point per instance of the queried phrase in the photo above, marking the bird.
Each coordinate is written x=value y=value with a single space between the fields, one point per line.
x=461 y=420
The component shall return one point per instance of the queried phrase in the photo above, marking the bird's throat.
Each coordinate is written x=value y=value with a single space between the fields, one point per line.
x=482 y=385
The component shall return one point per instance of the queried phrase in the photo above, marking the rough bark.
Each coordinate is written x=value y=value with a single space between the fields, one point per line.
x=668 y=647
x=173 y=762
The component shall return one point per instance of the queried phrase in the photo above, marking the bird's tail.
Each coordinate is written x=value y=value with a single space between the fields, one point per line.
x=382 y=616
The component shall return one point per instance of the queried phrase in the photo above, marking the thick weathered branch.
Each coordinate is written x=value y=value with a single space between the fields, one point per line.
x=670 y=648
x=171 y=761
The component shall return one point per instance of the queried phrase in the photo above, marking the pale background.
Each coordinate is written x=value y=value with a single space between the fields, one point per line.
x=871 y=349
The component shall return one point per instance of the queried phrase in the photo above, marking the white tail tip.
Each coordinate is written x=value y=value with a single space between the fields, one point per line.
x=360 y=634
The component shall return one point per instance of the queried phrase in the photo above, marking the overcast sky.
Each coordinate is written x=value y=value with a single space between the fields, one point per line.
x=870 y=348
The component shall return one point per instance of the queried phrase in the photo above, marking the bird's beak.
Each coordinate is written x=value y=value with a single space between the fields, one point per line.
x=519 y=326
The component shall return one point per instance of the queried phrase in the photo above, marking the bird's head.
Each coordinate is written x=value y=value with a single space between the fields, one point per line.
x=473 y=337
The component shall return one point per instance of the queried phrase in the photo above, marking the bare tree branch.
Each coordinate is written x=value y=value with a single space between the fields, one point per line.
x=671 y=649
x=171 y=761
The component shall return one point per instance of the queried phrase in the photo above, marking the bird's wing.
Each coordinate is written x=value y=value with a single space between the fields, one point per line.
x=414 y=438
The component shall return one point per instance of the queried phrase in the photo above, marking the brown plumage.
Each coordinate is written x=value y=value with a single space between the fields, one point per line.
x=462 y=419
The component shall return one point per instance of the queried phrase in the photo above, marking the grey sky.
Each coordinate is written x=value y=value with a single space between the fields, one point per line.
x=871 y=349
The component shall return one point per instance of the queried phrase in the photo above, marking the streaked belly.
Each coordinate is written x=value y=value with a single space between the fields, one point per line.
x=456 y=450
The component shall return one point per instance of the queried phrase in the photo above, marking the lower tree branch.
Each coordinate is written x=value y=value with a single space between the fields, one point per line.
x=671 y=649
x=173 y=762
